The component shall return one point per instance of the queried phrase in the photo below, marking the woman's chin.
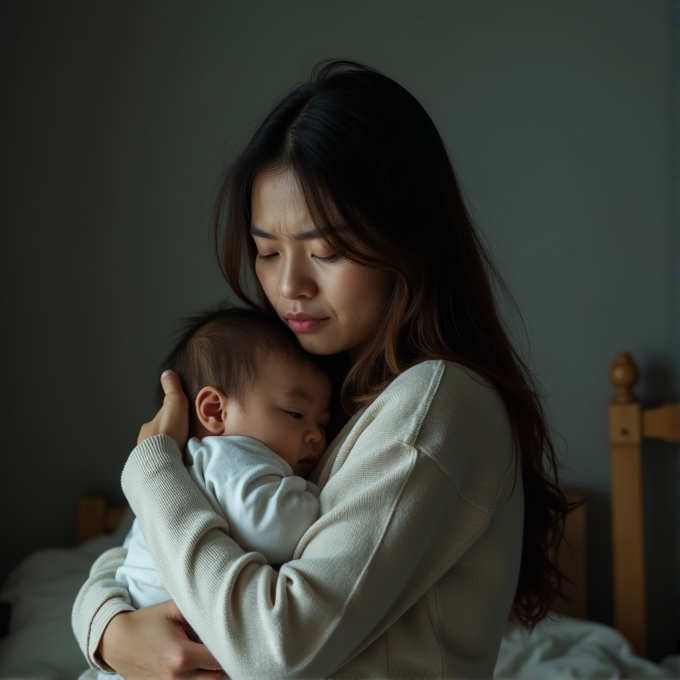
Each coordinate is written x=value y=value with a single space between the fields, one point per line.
x=316 y=343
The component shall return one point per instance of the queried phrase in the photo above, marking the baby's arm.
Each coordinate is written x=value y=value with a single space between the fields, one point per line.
x=268 y=509
x=138 y=573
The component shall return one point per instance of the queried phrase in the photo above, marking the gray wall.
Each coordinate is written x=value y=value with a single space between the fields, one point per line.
x=118 y=118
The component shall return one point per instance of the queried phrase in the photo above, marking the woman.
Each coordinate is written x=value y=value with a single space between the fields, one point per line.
x=440 y=506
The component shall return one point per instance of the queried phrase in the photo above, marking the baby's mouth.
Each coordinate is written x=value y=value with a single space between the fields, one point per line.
x=305 y=466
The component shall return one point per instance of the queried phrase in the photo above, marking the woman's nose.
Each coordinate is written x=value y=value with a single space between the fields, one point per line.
x=296 y=282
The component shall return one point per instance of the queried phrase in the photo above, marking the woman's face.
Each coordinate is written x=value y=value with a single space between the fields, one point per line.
x=331 y=304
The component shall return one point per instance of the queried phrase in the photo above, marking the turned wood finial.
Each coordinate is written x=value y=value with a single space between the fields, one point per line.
x=623 y=375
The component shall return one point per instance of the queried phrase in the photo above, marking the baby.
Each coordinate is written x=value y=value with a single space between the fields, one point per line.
x=257 y=427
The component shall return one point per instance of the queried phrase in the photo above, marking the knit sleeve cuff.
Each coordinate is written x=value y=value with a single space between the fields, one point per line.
x=158 y=446
x=106 y=612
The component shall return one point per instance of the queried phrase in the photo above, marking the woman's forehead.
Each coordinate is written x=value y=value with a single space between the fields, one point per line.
x=278 y=206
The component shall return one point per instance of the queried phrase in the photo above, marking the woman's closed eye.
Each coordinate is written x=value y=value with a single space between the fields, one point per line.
x=327 y=258
x=266 y=257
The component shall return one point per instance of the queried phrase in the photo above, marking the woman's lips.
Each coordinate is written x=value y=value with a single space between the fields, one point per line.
x=301 y=323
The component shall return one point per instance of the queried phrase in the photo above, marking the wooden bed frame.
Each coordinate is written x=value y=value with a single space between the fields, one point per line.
x=628 y=423
x=94 y=516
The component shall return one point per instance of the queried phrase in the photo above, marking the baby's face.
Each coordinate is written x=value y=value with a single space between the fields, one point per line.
x=287 y=409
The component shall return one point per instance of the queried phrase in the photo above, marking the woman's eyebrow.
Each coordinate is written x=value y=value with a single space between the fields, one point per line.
x=302 y=236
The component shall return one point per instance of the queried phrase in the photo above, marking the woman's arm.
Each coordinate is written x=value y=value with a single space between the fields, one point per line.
x=159 y=633
x=393 y=522
x=152 y=642
x=99 y=600
x=161 y=646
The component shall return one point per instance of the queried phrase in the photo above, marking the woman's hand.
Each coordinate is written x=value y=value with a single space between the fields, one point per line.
x=152 y=643
x=173 y=418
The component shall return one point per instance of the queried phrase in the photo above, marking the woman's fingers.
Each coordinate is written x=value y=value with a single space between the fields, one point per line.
x=171 y=385
x=173 y=417
x=151 y=643
x=197 y=658
x=193 y=661
x=196 y=654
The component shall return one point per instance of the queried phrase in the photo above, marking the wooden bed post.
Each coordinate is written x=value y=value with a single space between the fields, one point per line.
x=625 y=439
x=628 y=424
x=91 y=513
x=95 y=517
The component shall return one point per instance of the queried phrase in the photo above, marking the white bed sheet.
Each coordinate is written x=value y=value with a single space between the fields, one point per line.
x=41 y=591
x=561 y=648
x=40 y=644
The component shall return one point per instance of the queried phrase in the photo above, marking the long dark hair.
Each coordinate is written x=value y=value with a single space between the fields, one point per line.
x=368 y=157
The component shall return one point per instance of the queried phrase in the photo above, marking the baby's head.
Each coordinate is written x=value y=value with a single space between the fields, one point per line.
x=246 y=374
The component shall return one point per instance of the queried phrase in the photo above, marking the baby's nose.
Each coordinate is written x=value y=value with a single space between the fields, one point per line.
x=314 y=434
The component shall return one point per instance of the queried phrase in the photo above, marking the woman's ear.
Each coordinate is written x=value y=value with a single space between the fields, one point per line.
x=211 y=409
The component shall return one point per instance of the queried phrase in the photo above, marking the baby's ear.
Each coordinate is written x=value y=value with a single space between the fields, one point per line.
x=211 y=409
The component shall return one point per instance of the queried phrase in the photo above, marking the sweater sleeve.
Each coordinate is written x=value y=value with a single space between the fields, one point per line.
x=98 y=601
x=394 y=520
x=268 y=508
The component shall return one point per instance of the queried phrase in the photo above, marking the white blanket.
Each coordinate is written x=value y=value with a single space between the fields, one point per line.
x=41 y=591
x=573 y=648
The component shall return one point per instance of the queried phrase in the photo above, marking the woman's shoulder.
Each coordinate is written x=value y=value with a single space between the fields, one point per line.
x=446 y=419
x=440 y=381
x=435 y=394
x=451 y=414
x=433 y=368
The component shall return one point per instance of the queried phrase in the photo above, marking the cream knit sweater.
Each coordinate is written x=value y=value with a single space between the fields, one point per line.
x=409 y=572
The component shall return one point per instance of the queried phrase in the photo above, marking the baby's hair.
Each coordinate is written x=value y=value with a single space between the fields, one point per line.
x=224 y=348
